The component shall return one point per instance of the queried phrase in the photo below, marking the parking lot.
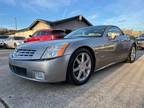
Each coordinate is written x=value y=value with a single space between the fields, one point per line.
x=119 y=86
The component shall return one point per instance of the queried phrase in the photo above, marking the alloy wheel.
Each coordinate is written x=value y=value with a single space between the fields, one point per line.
x=133 y=54
x=82 y=66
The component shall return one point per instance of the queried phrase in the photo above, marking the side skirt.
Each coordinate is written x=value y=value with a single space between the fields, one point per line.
x=106 y=66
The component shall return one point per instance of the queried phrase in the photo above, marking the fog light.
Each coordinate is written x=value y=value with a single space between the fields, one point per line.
x=39 y=76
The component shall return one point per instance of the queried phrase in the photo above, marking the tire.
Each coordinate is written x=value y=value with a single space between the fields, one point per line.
x=132 y=52
x=5 y=46
x=15 y=45
x=79 y=70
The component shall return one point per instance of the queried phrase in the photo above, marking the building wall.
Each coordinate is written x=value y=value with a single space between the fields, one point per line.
x=72 y=25
x=38 y=26
x=24 y=33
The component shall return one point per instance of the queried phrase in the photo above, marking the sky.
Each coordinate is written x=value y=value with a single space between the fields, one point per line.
x=127 y=14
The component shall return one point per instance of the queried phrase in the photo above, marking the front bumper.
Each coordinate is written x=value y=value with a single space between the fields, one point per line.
x=54 y=70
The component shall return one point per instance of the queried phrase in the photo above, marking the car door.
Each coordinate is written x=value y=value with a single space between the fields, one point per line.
x=125 y=46
x=113 y=44
x=120 y=43
x=109 y=48
x=9 y=41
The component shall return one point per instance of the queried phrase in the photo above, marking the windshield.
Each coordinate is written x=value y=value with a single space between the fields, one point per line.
x=19 y=38
x=4 y=37
x=87 y=32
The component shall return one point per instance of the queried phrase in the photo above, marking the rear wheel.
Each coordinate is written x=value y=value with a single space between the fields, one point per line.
x=132 y=55
x=80 y=67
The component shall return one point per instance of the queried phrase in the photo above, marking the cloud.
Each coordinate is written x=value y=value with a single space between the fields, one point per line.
x=122 y=21
x=138 y=23
x=39 y=6
x=133 y=20
x=46 y=4
x=65 y=12
x=10 y=2
x=75 y=12
x=118 y=19
x=49 y=3
x=93 y=17
x=3 y=14
x=125 y=18
x=124 y=6
x=40 y=3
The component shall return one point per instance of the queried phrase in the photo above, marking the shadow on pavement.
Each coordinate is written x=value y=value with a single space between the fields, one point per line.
x=140 y=53
x=4 y=103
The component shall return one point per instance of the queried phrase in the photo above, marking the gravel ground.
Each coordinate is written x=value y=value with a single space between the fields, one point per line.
x=119 y=86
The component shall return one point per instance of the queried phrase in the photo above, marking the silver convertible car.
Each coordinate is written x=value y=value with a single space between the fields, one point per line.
x=75 y=57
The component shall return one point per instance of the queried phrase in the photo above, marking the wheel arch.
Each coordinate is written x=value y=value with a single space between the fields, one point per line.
x=134 y=43
x=89 y=49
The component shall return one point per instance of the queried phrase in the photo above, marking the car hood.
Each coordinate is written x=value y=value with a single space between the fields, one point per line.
x=45 y=44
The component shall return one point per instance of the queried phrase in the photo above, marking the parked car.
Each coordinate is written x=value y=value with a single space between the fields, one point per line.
x=2 y=39
x=45 y=35
x=13 y=42
x=140 y=41
x=75 y=57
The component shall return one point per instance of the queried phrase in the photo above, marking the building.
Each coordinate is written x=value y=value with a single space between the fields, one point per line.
x=71 y=23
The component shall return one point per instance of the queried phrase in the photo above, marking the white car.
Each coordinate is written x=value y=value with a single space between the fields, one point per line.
x=2 y=40
x=14 y=41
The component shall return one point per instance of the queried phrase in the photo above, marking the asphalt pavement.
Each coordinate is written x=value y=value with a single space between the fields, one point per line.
x=119 y=86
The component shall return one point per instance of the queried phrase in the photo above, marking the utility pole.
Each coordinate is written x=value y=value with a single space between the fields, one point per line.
x=15 y=23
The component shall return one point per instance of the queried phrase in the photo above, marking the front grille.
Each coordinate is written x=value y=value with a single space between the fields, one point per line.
x=19 y=70
x=24 y=53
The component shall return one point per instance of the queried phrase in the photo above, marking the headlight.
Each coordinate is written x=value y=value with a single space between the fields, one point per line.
x=54 y=51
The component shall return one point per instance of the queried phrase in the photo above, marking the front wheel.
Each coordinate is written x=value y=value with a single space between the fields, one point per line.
x=80 y=67
x=132 y=55
x=5 y=46
x=15 y=45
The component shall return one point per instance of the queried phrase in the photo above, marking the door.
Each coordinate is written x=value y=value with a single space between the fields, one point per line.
x=114 y=35
x=125 y=45
x=9 y=42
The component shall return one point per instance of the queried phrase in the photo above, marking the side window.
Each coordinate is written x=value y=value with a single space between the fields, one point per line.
x=60 y=33
x=113 y=32
x=43 y=33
